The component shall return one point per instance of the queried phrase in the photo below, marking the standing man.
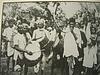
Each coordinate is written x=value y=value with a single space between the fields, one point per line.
x=70 y=46
x=8 y=35
x=90 y=52
x=19 y=46
x=41 y=36
x=83 y=42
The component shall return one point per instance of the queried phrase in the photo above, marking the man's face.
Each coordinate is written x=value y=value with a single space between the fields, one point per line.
x=6 y=24
x=77 y=25
x=40 y=26
x=11 y=25
x=93 y=30
x=82 y=24
x=18 y=22
x=97 y=23
x=25 y=27
x=20 y=30
x=71 y=26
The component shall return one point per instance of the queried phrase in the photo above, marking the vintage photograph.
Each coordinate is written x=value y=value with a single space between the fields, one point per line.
x=50 y=38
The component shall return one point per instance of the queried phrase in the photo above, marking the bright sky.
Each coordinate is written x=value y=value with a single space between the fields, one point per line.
x=70 y=8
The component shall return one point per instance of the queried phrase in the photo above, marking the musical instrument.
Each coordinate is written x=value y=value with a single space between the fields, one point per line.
x=32 y=60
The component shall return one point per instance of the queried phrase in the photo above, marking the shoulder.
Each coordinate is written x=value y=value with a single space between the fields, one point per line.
x=6 y=29
x=36 y=30
x=45 y=30
x=77 y=30
x=17 y=36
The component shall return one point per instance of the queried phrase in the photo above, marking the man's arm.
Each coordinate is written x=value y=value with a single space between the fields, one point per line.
x=34 y=35
x=40 y=39
x=19 y=49
x=16 y=44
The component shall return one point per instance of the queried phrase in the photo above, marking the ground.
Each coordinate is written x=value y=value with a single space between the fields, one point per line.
x=30 y=71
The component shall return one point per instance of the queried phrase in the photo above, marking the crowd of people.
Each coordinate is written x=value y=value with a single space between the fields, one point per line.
x=71 y=46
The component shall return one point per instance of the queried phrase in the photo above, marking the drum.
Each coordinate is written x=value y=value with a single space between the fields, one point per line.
x=36 y=56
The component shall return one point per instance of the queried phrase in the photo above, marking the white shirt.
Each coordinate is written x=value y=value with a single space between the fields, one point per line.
x=70 y=46
x=40 y=33
x=19 y=40
x=9 y=33
x=52 y=35
x=78 y=34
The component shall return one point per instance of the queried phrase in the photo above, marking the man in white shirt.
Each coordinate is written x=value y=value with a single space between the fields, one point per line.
x=70 y=46
x=19 y=46
x=41 y=35
x=8 y=35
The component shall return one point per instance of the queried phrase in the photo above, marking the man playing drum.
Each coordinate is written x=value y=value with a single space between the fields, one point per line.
x=19 y=45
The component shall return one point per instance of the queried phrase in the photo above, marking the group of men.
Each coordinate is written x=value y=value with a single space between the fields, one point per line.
x=74 y=45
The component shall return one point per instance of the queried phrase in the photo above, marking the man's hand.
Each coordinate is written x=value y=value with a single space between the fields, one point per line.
x=29 y=52
x=6 y=39
x=30 y=42
x=48 y=59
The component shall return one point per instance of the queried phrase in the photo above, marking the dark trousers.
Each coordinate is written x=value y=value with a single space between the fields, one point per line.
x=57 y=64
x=65 y=66
x=89 y=71
x=8 y=62
x=77 y=67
